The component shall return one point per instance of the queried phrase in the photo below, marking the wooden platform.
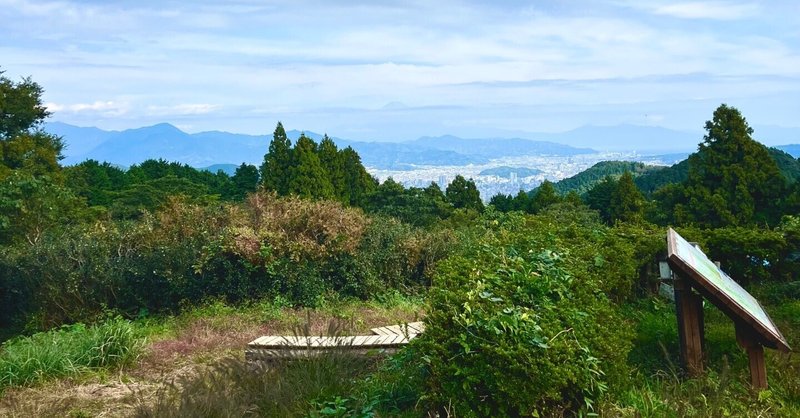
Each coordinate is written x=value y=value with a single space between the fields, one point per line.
x=386 y=341
x=410 y=328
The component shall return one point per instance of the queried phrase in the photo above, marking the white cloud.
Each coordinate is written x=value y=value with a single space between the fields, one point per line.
x=182 y=109
x=716 y=10
x=104 y=108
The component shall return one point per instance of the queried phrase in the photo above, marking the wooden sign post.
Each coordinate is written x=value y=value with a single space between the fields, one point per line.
x=693 y=271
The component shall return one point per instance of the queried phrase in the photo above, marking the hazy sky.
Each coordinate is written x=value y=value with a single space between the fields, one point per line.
x=397 y=70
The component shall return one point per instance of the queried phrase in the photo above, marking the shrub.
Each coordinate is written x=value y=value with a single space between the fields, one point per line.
x=512 y=331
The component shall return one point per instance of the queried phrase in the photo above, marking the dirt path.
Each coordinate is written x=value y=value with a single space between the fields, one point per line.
x=171 y=358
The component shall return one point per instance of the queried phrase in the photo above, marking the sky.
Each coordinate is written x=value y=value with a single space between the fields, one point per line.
x=386 y=70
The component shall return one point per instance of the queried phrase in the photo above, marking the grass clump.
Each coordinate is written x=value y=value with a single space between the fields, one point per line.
x=300 y=384
x=66 y=351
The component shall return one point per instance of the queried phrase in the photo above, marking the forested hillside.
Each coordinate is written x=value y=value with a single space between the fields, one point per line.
x=535 y=305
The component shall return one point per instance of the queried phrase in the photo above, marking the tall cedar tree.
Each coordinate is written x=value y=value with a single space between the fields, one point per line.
x=599 y=197
x=462 y=193
x=545 y=196
x=358 y=183
x=277 y=162
x=307 y=177
x=732 y=178
x=333 y=162
x=627 y=201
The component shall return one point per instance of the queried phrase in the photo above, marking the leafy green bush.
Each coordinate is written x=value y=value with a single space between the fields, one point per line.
x=67 y=351
x=183 y=254
x=512 y=331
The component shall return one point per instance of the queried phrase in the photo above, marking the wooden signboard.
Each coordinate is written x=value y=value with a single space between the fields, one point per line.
x=754 y=328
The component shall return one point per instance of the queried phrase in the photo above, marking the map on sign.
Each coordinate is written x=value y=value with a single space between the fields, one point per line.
x=713 y=276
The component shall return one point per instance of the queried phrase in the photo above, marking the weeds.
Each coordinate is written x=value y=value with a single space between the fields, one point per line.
x=67 y=351
x=295 y=386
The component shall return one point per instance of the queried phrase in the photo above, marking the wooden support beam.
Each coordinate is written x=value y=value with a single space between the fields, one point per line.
x=755 y=355
x=690 y=326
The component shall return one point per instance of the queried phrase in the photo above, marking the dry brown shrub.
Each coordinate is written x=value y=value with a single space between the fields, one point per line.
x=267 y=226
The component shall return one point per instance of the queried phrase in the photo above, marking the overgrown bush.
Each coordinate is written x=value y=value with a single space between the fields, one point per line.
x=301 y=250
x=511 y=330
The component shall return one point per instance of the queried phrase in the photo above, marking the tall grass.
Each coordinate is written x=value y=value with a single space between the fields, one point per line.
x=66 y=351
x=285 y=387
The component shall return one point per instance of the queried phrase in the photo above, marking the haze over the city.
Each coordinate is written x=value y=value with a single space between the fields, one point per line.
x=401 y=70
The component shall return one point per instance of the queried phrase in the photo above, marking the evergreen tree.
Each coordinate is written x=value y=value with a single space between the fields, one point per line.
x=732 y=178
x=462 y=193
x=627 y=202
x=333 y=164
x=358 y=183
x=275 y=170
x=573 y=198
x=245 y=180
x=502 y=202
x=599 y=197
x=521 y=202
x=307 y=177
x=545 y=196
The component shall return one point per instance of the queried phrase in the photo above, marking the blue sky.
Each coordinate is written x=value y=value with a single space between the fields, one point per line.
x=384 y=70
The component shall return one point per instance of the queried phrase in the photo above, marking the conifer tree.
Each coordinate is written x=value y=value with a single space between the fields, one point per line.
x=333 y=164
x=599 y=197
x=358 y=183
x=245 y=180
x=307 y=178
x=627 y=202
x=462 y=193
x=277 y=162
x=521 y=202
x=545 y=196
x=732 y=178
x=502 y=202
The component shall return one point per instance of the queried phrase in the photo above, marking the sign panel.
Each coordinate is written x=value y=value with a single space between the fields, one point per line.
x=721 y=289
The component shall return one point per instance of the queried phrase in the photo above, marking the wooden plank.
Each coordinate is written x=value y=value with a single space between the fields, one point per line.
x=748 y=340
x=380 y=331
x=690 y=326
x=317 y=342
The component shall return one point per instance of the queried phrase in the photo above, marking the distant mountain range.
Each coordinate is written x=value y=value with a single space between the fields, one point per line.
x=206 y=149
x=791 y=149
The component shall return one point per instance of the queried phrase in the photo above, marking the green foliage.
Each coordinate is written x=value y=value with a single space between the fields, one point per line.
x=333 y=163
x=415 y=206
x=30 y=206
x=651 y=181
x=544 y=196
x=245 y=180
x=627 y=202
x=275 y=169
x=307 y=177
x=599 y=197
x=359 y=184
x=463 y=194
x=587 y=179
x=504 y=317
x=67 y=351
x=21 y=107
x=732 y=178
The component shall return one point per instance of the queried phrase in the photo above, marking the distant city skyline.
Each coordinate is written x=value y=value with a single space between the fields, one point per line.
x=398 y=71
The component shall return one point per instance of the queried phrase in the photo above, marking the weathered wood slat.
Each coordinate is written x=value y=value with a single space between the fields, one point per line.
x=410 y=328
x=365 y=341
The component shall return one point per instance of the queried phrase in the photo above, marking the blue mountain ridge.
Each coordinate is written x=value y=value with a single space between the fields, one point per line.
x=205 y=149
